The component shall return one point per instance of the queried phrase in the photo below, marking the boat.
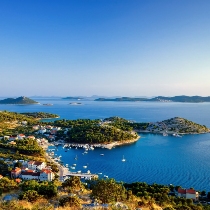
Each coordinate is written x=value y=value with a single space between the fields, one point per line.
x=47 y=104
x=75 y=157
x=78 y=172
x=74 y=164
x=102 y=154
x=72 y=167
x=99 y=173
x=176 y=135
x=67 y=165
x=165 y=134
x=88 y=172
x=105 y=176
x=123 y=159
x=84 y=166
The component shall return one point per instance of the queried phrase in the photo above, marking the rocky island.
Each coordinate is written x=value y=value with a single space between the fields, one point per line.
x=20 y=100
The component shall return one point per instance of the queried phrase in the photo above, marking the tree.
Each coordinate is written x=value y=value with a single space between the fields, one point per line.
x=47 y=190
x=108 y=190
x=30 y=195
x=72 y=201
x=73 y=182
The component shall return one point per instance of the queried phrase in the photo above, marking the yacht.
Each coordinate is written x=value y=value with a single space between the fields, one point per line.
x=123 y=159
x=102 y=154
x=74 y=164
x=84 y=166
x=72 y=167
x=105 y=176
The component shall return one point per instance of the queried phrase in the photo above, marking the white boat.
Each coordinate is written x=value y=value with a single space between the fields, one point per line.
x=67 y=165
x=75 y=157
x=99 y=173
x=74 y=164
x=165 y=134
x=102 y=154
x=123 y=159
x=78 y=172
x=84 y=166
x=72 y=167
x=88 y=172
x=176 y=135
x=91 y=148
x=105 y=176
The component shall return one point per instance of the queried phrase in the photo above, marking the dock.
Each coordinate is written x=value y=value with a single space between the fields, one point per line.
x=82 y=175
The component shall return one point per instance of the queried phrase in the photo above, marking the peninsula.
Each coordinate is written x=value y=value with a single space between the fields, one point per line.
x=182 y=99
x=20 y=100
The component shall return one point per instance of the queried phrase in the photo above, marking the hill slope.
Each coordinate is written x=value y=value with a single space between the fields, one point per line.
x=19 y=100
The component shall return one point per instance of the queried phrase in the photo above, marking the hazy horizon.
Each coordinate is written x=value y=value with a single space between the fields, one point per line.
x=107 y=48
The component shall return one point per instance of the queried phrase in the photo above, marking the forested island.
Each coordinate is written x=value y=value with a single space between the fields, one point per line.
x=183 y=99
x=20 y=100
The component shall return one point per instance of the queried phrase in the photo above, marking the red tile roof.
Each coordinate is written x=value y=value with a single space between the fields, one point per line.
x=16 y=170
x=46 y=171
x=182 y=191
x=185 y=191
x=191 y=191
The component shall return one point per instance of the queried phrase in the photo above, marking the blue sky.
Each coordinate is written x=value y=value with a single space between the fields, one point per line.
x=104 y=47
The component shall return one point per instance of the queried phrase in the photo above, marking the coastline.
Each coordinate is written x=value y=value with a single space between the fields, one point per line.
x=168 y=132
x=98 y=145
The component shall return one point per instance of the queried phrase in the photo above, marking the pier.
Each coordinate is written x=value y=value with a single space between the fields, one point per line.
x=82 y=175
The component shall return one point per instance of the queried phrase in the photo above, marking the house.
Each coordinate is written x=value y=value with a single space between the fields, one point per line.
x=12 y=138
x=31 y=137
x=35 y=127
x=188 y=193
x=21 y=136
x=34 y=165
x=42 y=131
x=29 y=175
x=46 y=175
x=15 y=173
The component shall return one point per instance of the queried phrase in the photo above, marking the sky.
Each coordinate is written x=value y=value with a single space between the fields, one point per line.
x=104 y=47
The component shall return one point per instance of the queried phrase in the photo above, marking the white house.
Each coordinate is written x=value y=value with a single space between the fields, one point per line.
x=46 y=175
x=34 y=165
x=21 y=136
x=188 y=193
x=29 y=175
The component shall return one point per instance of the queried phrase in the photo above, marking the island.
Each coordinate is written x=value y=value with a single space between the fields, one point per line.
x=73 y=98
x=20 y=100
x=182 y=99
x=75 y=103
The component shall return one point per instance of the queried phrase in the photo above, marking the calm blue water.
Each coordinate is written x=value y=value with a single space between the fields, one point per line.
x=154 y=158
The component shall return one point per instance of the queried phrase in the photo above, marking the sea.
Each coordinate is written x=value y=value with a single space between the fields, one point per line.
x=153 y=158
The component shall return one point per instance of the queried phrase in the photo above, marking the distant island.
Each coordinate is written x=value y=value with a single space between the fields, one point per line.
x=73 y=98
x=20 y=100
x=183 y=99
x=75 y=103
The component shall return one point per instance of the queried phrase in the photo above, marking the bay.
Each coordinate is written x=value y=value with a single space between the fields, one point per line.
x=154 y=158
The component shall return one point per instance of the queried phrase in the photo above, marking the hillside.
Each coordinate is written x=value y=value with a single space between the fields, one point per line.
x=19 y=100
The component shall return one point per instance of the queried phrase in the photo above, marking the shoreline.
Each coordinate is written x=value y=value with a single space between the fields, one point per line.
x=168 y=132
x=97 y=145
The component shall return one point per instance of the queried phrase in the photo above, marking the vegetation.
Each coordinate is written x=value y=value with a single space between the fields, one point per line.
x=19 y=100
x=24 y=146
x=107 y=190
x=38 y=115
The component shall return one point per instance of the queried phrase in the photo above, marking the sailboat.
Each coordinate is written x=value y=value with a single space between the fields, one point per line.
x=123 y=159
x=75 y=157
